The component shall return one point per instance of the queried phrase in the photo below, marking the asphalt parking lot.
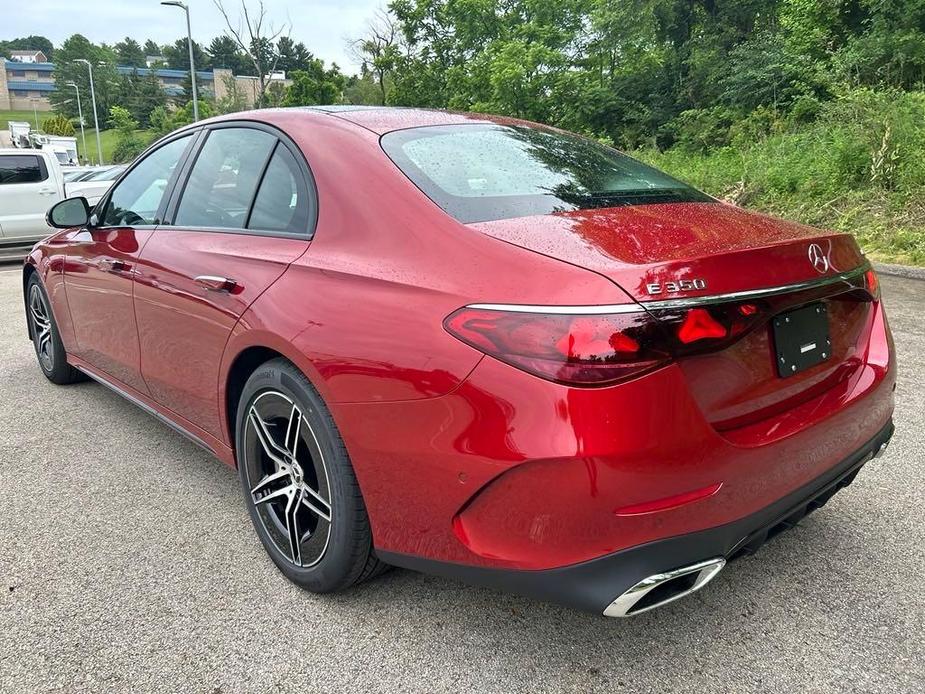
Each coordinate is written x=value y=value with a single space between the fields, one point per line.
x=127 y=562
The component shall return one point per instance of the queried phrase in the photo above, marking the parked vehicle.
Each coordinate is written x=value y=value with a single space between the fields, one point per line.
x=31 y=181
x=473 y=346
x=78 y=173
x=63 y=147
x=19 y=133
x=94 y=185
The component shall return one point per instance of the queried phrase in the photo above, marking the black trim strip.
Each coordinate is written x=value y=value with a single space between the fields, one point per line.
x=150 y=410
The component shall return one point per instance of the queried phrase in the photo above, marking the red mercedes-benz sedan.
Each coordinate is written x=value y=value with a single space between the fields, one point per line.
x=472 y=346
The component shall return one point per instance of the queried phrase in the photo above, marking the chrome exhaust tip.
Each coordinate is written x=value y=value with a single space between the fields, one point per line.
x=660 y=589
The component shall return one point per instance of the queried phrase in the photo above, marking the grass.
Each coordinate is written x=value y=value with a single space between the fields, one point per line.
x=107 y=137
x=858 y=168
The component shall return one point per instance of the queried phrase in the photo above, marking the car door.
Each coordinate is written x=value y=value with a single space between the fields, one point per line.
x=101 y=263
x=27 y=190
x=244 y=212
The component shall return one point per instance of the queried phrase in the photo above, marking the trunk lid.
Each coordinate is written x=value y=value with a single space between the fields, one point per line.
x=729 y=249
x=685 y=251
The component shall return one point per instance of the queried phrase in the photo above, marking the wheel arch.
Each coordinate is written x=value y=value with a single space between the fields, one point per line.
x=27 y=271
x=244 y=354
x=245 y=363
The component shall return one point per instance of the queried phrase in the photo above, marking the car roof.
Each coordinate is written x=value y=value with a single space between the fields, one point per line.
x=380 y=119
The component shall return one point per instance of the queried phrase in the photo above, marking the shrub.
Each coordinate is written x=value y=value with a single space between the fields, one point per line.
x=703 y=129
x=58 y=125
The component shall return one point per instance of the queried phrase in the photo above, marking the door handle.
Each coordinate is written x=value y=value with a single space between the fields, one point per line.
x=46 y=191
x=113 y=265
x=215 y=283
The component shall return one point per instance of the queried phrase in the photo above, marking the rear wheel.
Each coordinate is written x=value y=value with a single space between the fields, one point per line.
x=45 y=337
x=298 y=483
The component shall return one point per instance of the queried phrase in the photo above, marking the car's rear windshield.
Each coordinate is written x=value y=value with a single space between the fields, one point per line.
x=480 y=172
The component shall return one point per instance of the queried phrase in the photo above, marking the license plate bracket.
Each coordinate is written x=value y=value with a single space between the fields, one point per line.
x=801 y=339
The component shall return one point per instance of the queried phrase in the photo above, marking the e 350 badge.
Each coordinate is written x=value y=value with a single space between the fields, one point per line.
x=673 y=286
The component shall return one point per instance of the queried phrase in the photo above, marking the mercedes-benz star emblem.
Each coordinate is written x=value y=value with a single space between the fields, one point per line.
x=818 y=258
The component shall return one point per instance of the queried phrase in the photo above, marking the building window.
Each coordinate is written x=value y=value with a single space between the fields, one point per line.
x=18 y=73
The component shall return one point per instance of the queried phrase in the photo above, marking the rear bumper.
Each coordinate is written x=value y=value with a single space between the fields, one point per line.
x=594 y=585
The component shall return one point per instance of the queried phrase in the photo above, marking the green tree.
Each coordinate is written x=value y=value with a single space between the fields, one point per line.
x=151 y=48
x=379 y=50
x=67 y=69
x=129 y=143
x=316 y=85
x=129 y=52
x=224 y=53
x=28 y=43
x=292 y=55
x=177 y=55
x=140 y=95
x=234 y=100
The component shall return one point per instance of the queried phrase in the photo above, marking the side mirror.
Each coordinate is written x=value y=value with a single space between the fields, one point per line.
x=73 y=212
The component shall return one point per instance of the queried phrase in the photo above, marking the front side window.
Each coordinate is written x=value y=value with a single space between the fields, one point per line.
x=486 y=172
x=224 y=179
x=137 y=197
x=22 y=168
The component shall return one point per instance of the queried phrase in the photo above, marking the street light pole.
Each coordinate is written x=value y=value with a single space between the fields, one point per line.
x=96 y=120
x=80 y=116
x=192 y=64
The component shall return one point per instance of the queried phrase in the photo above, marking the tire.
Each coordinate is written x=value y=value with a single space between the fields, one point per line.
x=46 y=340
x=294 y=472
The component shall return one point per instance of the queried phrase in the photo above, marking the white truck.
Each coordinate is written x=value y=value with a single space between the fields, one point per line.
x=31 y=181
x=19 y=132
x=63 y=147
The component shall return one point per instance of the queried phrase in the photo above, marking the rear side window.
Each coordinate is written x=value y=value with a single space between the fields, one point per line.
x=281 y=203
x=224 y=179
x=22 y=168
x=485 y=172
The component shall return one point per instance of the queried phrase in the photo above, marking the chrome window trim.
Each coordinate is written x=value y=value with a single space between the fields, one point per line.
x=663 y=304
x=565 y=310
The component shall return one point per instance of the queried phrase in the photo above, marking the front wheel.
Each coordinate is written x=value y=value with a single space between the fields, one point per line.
x=298 y=483
x=49 y=350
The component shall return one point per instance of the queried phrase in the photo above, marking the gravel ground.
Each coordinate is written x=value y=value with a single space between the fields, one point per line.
x=127 y=561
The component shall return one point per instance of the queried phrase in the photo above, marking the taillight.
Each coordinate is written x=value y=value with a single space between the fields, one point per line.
x=708 y=328
x=872 y=283
x=598 y=349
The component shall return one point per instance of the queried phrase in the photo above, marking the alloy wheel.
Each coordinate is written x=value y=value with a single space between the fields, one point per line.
x=287 y=478
x=41 y=327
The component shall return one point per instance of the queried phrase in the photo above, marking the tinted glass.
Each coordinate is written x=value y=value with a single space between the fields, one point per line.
x=136 y=198
x=224 y=179
x=484 y=172
x=22 y=169
x=280 y=204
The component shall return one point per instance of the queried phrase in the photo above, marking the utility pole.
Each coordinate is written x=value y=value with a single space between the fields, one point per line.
x=80 y=116
x=96 y=120
x=192 y=63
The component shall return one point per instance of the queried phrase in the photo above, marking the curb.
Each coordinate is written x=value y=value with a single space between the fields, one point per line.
x=907 y=271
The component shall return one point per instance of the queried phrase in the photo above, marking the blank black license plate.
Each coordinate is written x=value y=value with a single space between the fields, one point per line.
x=801 y=339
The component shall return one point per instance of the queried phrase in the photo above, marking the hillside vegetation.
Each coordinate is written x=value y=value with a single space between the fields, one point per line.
x=810 y=110
x=858 y=167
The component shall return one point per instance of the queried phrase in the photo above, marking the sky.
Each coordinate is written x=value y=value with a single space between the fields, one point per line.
x=324 y=26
